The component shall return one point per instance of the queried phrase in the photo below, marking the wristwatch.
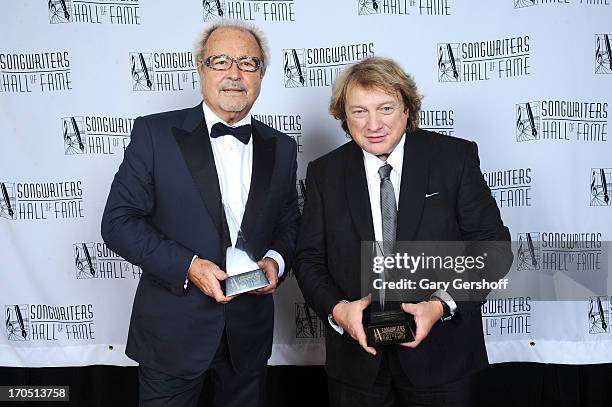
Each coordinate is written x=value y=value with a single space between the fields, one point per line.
x=449 y=307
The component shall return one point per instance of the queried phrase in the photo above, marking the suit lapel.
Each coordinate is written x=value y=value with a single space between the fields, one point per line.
x=264 y=154
x=415 y=176
x=357 y=194
x=194 y=143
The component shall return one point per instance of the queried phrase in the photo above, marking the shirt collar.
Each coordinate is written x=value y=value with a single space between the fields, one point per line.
x=395 y=159
x=212 y=118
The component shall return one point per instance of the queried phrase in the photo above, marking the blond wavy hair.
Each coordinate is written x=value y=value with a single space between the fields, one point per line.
x=379 y=73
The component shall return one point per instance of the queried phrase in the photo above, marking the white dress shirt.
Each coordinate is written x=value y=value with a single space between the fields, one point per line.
x=372 y=164
x=234 y=164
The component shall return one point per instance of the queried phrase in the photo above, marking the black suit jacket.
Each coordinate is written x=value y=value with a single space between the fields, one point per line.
x=164 y=206
x=337 y=217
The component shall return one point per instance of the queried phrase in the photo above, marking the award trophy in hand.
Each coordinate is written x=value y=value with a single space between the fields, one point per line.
x=385 y=322
x=243 y=272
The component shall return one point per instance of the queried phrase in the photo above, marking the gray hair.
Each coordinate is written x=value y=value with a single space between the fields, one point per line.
x=260 y=38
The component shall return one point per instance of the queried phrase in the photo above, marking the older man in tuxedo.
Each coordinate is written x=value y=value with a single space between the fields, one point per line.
x=393 y=182
x=192 y=183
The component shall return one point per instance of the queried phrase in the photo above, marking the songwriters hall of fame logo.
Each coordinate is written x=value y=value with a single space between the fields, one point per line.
x=529 y=3
x=85 y=262
x=41 y=322
x=449 y=63
x=599 y=315
x=163 y=71
x=369 y=7
x=99 y=135
x=483 y=60
x=319 y=67
x=48 y=71
x=307 y=324
x=8 y=201
x=94 y=260
x=142 y=71
x=549 y=251
x=94 y=11
x=404 y=7
x=74 y=135
x=528 y=252
x=16 y=322
x=213 y=9
x=528 y=121
x=601 y=186
x=248 y=10
x=506 y=316
x=294 y=64
x=603 y=54
x=40 y=201
x=562 y=120
x=60 y=11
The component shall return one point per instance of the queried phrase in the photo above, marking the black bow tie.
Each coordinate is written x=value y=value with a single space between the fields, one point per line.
x=242 y=133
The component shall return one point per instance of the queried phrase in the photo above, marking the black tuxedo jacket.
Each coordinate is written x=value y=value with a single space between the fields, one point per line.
x=337 y=218
x=164 y=206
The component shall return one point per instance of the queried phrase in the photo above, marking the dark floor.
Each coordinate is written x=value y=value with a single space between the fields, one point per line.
x=509 y=384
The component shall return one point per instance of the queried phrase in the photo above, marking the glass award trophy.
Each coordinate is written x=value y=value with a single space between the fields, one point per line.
x=243 y=272
x=385 y=322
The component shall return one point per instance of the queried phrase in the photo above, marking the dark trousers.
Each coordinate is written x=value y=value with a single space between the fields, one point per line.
x=230 y=388
x=392 y=388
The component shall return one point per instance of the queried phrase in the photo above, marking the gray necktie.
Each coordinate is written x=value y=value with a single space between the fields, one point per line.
x=388 y=210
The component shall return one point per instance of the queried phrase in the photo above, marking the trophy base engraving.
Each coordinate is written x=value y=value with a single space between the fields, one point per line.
x=244 y=282
x=389 y=327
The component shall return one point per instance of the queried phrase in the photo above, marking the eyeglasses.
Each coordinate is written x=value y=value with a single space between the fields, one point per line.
x=225 y=62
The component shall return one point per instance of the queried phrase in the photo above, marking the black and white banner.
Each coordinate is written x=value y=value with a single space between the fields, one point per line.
x=529 y=81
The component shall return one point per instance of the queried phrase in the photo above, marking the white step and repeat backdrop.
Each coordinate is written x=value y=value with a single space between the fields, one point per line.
x=530 y=81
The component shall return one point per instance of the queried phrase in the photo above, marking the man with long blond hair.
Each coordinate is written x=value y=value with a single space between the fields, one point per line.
x=393 y=182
